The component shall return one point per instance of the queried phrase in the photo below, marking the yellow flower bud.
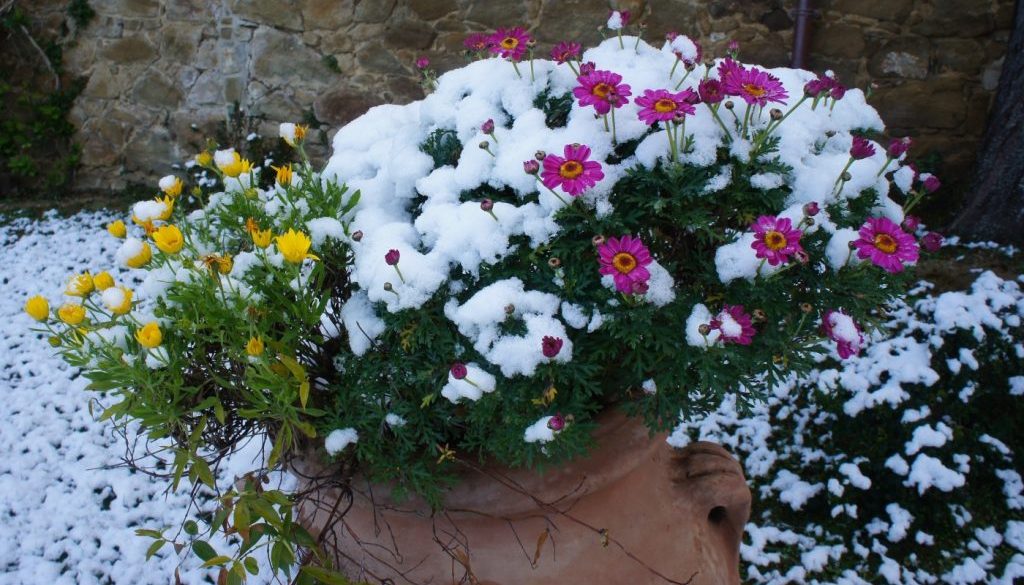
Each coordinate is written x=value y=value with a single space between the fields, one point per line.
x=254 y=347
x=294 y=246
x=224 y=264
x=261 y=238
x=168 y=239
x=80 y=285
x=168 y=202
x=150 y=336
x=141 y=258
x=284 y=175
x=103 y=281
x=71 y=313
x=117 y=229
x=204 y=159
x=117 y=300
x=171 y=185
x=37 y=307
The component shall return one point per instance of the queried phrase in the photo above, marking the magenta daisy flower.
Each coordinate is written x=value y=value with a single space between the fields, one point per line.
x=754 y=86
x=566 y=51
x=842 y=329
x=932 y=241
x=625 y=259
x=710 y=91
x=551 y=346
x=775 y=239
x=510 y=43
x=602 y=89
x=573 y=172
x=661 y=105
x=861 y=148
x=885 y=244
x=477 y=42
x=734 y=325
x=671 y=38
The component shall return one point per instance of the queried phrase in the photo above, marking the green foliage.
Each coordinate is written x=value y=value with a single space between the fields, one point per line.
x=81 y=13
x=556 y=108
x=444 y=147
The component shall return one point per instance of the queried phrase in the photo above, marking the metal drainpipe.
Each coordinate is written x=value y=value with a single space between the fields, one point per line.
x=801 y=34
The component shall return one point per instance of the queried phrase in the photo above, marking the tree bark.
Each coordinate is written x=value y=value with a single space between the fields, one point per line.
x=994 y=209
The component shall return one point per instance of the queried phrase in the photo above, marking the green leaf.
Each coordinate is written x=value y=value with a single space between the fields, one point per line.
x=251 y=565
x=203 y=550
x=216 y=561
x=148 y=532
x=326 y=576
x=203 y=470
x=304 y=393
x=154 y=548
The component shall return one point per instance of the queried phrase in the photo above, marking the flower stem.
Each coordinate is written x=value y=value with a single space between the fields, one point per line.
x=888 y=160
x=621 y=46
x=556 y=194
x=613 y=125
x=714 y=113
x=573 y=67
x=672 y=73
x=746 y=121
x=516 y=67
x=532 y=77
x=913 y=202
x=685 y=75
x=399 y=274
x=671 y=143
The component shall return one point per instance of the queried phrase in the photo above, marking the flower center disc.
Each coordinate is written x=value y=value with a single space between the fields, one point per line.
x=570 y=169
x=509 y=43
x=601 y=90
x=775 y=240
x=624 y=262
x=754 y=90
x=664 y=105
x=885 y=243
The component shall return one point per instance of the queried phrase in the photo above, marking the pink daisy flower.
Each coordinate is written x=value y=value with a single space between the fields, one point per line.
x=734 y=325
x=566 y=51
x=710 y=91
x=477 y=42
x=861 y=148
x=602 y=89
x=573 y=172
x=625 y=259
x=510 y=43
x=775 y=239
x=671 y=38
x=842 y=329
x=753 y=85
x=551 y=346
x=885 y=244
x=661 y=105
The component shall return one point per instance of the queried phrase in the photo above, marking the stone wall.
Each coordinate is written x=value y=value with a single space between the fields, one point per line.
x=162 y=73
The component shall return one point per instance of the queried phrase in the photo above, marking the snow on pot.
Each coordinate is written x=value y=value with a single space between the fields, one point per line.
x=479 y=274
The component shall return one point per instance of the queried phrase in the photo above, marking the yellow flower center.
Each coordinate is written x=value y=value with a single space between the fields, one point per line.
x=885 y=243
x=570 y=169
x=754 y=90
x=774 y=240
x=509 y=43
x=664 y=105
x=624 y=262
x=601 y=90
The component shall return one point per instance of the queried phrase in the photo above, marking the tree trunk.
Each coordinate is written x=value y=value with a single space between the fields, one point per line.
x=994 y=209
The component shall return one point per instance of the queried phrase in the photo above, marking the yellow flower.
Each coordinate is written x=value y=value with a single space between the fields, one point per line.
x=117 y=300
x=254 y=347
x=117 y=229
x=237 y=166
x=37 y=307
x=71 y=313
x=103 y=281
x=80 y=285
x=168 y=202
x=204 y=159
x=261 y=238
x=171 y=185
x=284 y=175
x=150 y=336
x=224 y=264
x=168 y=239
x=294 y=246
x=293 y=134
x=141 y=258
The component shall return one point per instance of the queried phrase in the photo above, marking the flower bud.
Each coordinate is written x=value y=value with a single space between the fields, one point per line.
x=392 y=256
x=510 y=308
x=357 y=235
x=458 y=370
x=728 y=104
x=554 y=262
x=487 y=205
x=847 y=176
x=704 y=329
x=531 y=167
x=388 y=287
x=540 y=155
x=556 y=423
x=485 y=145
x=759 y=316
x=911 y=223
x=776 y=114
x=487 y=127
x=597 y=240
x=806 y=307
x=811 y=209
x=802 y=256
x=932 y=241
x=690 y=65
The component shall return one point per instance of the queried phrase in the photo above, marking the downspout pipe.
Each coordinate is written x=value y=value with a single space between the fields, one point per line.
x=802 y=33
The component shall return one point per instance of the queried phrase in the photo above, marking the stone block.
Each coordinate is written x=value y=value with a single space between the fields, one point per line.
x=151 y=147
x=990 y=76
x=188 y=10
x=328 y=14
x=432 y=9
x=409 y=34
x=178 y=42
x=129 y=50
x=156 y=90
x=277 y=13
x=374 y=58
x=127 y=8
x=905 y=57
x=277 y=55
x=373 y=10
x=963 y=55
x=891 y=10
x=935 y=103
x=512 y=12
x=560 y=20
x=340 y=106
x=956 y=18
x=105 y=83
x=836 y=39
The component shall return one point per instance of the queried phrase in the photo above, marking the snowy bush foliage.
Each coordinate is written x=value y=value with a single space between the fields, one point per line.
x=899 y=466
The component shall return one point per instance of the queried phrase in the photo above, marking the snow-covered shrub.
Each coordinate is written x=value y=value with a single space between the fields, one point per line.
x=900 y=466
x=483 y=271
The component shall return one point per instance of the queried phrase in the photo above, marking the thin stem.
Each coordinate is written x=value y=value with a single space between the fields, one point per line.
x=888 y=160
x=573 y=67
x=606 y=129
x=671 y=143
x=516 y=67
x=714 y=113
x=672 y=73
x=687 y=74
x=399 y=273
x=555 y=194
x=621 y=46
x=613 y=125
x=746 y=121
x=532 y=77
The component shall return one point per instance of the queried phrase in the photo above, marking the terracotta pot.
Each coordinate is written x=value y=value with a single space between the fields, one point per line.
x=635 y=511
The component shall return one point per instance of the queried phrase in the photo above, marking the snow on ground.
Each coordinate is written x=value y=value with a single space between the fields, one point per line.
x=68 y=510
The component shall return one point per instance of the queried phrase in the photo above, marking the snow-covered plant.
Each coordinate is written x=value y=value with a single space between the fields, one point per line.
x=483 y=271
x=899 y=466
